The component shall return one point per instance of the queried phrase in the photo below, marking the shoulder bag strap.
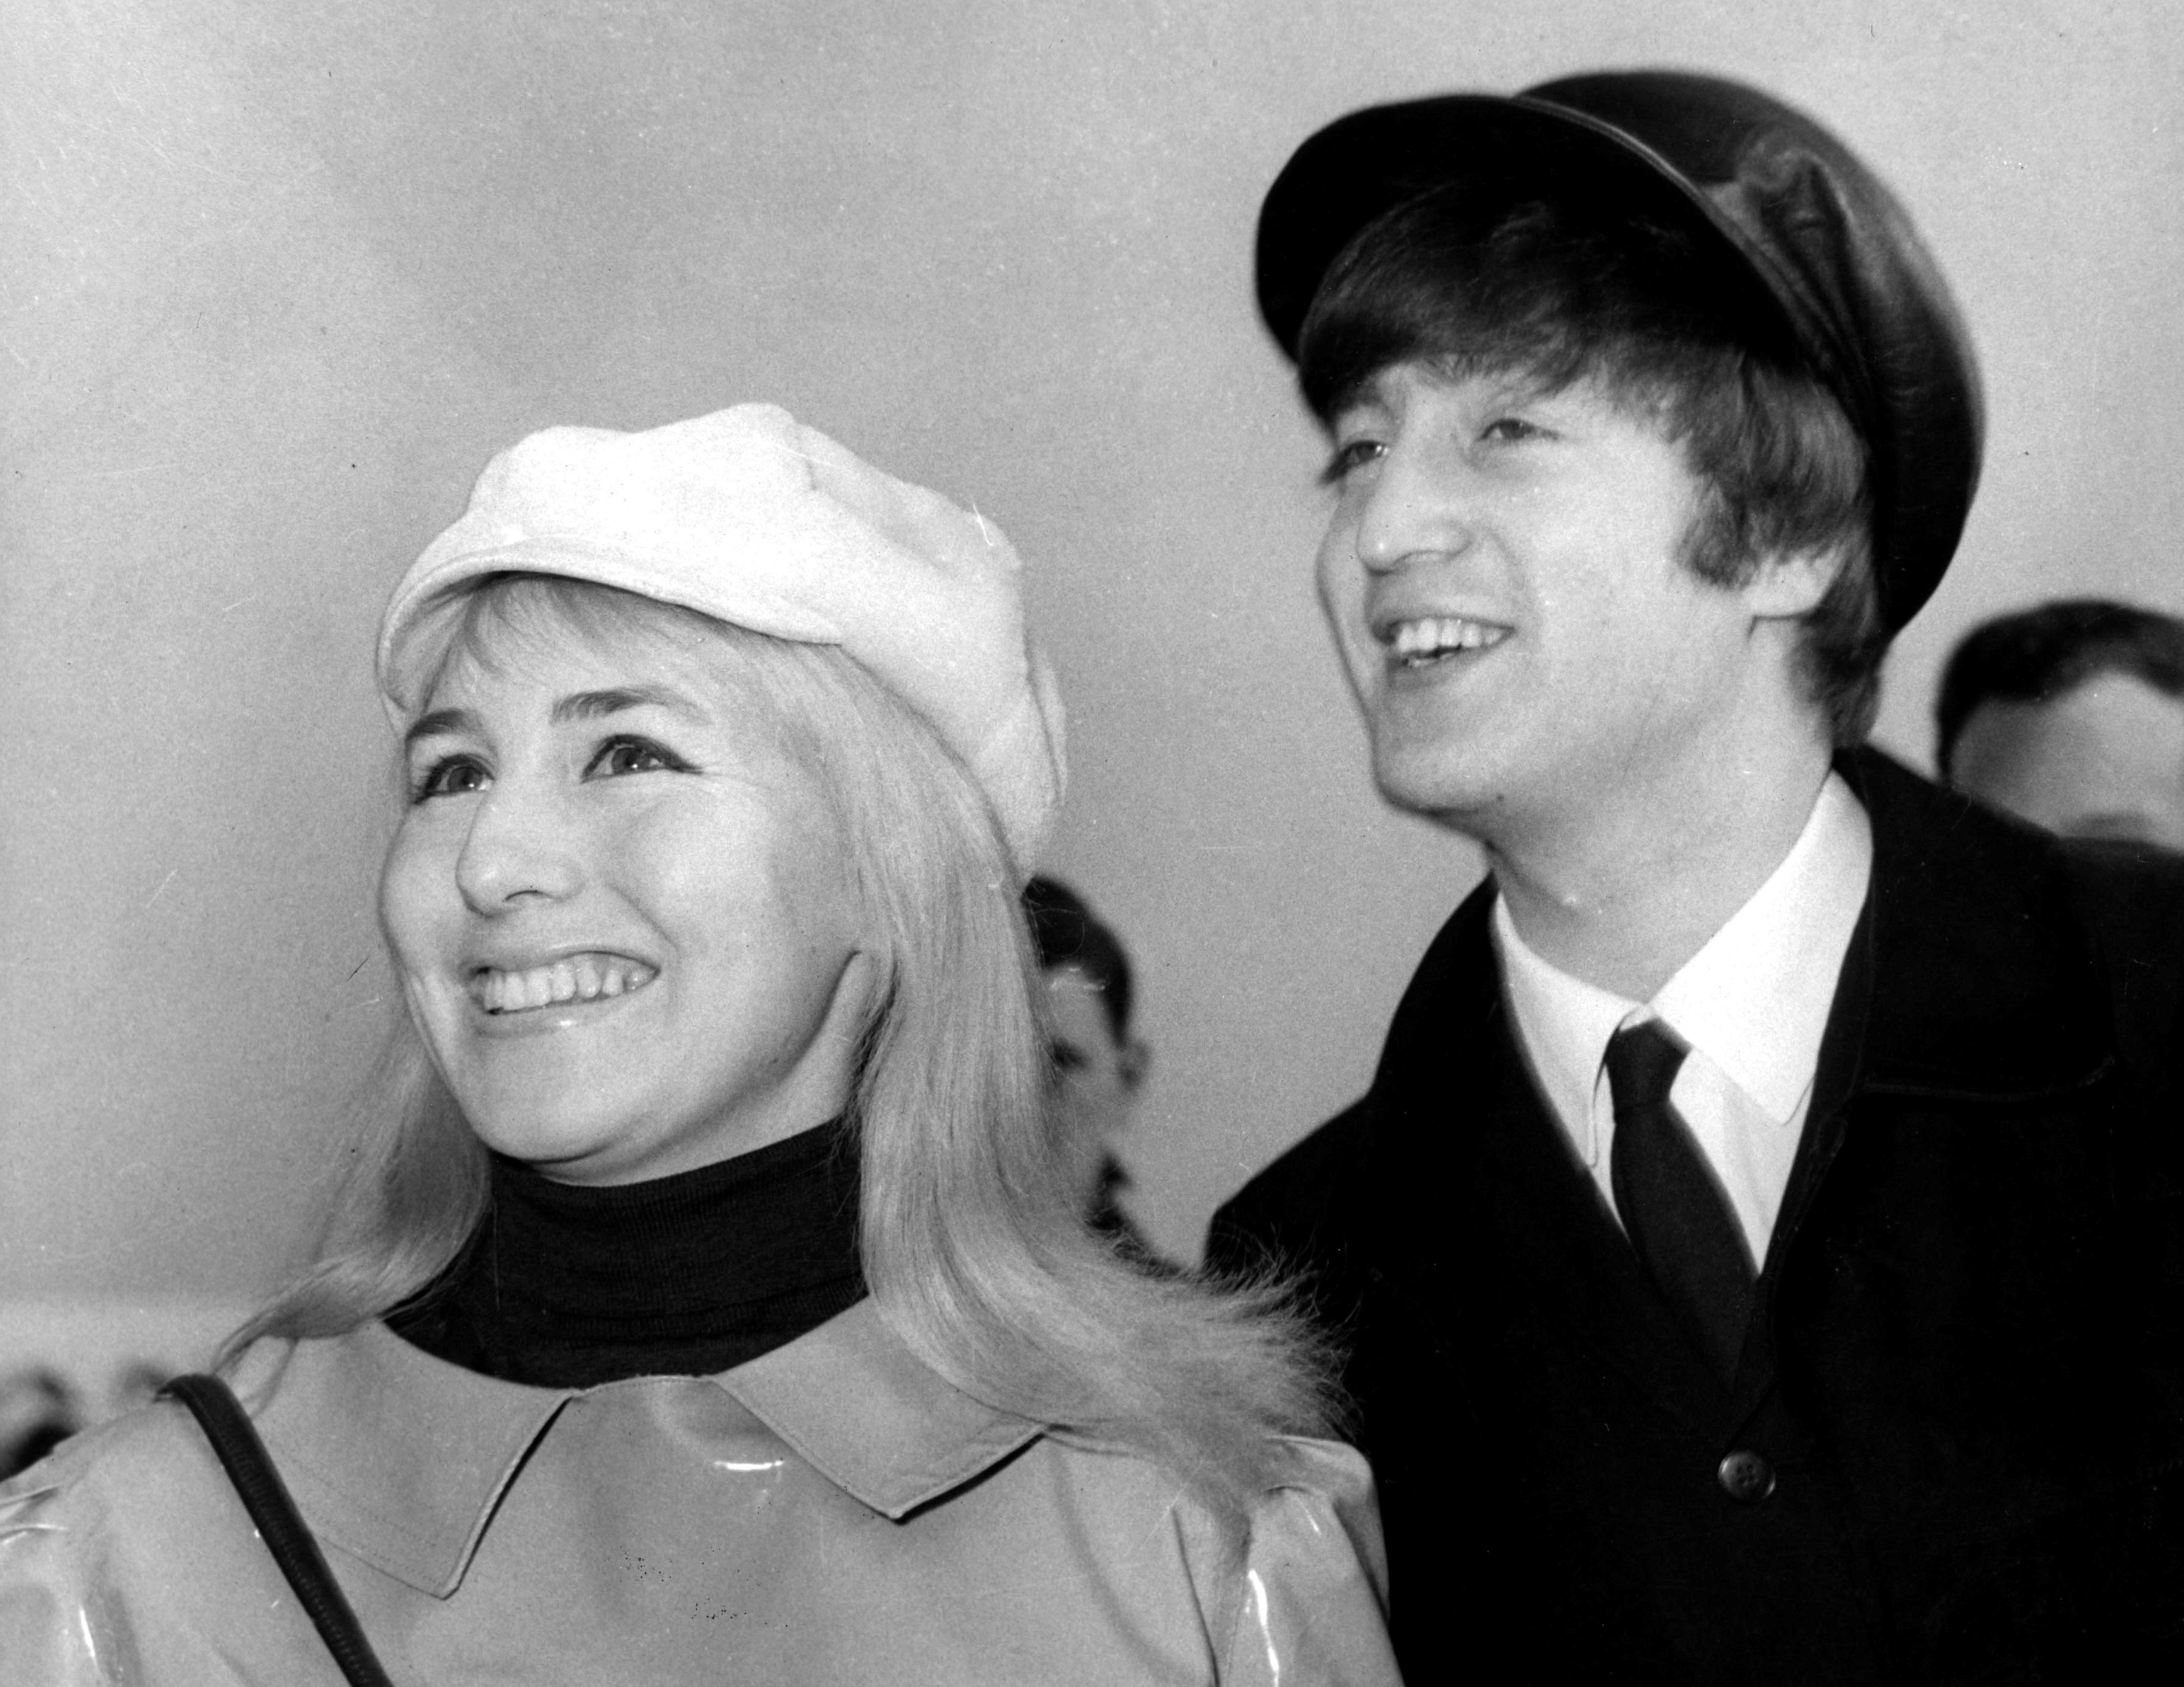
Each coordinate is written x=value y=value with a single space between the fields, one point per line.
x=280 y=1524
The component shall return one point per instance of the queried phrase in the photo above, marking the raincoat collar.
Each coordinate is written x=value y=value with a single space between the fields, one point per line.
x=402 y=1459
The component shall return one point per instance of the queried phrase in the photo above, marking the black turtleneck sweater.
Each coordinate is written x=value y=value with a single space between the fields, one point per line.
x=564 y=1286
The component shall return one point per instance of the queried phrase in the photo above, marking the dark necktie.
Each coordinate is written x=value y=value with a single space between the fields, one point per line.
x=1673 y=1210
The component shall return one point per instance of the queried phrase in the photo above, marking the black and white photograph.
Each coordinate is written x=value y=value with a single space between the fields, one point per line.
x=1035 y=842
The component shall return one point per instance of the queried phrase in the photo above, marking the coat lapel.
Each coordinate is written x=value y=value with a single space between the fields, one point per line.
x=1500 y=1204
x=1966 y=978
x=1568 y=1256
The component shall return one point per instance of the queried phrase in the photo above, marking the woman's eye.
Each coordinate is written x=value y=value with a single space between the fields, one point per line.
x=1349 y=457
x=452 y=776
x=620 y=755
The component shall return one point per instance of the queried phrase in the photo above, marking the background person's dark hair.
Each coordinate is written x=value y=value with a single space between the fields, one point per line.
x=1065 y=932
x=2037 y=654
x=1473 y=283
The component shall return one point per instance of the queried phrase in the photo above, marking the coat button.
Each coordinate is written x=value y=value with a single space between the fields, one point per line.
x=1745 y=1476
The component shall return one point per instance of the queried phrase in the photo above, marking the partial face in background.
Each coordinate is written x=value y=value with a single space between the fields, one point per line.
x=621 y=917
x=1097 y=1074
x=1504 y=575
x=2104 y=760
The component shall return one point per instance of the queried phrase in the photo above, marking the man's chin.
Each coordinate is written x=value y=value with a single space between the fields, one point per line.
x=1432 y=788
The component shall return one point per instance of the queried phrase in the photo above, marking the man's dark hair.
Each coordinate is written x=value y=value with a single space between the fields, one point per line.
x=1065 y=932
x=1472 y=282
x=2037 y=654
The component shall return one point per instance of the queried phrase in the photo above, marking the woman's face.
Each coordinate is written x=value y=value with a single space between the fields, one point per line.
x=623 y=919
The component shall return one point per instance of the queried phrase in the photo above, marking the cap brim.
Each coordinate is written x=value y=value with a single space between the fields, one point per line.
x=1363 y=165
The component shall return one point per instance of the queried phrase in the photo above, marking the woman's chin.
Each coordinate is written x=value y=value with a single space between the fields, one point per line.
x=602 y=1149
x=577 y=1149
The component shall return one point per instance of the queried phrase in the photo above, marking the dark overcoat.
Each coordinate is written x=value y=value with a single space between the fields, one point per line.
x=1954 y=1448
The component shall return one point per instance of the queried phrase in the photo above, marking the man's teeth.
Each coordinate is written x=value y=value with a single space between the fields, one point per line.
x=1421 y=641
x=579 y=977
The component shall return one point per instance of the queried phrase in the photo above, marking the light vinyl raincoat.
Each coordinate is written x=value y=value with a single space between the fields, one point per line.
x=831 y=1512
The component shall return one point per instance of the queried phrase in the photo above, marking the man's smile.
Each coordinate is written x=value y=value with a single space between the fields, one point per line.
x=1423 y=641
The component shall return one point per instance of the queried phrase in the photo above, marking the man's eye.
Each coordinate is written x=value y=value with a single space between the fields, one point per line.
x=452 y=776
x=620 y=755
x=1066 y=1056
x=1350 y=457
x=1510 y=429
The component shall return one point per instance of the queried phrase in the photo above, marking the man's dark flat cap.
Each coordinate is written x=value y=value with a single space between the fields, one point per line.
x=1770 y=190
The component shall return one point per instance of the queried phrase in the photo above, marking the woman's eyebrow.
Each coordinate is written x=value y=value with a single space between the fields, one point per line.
x=438 y=723
x=590 y=705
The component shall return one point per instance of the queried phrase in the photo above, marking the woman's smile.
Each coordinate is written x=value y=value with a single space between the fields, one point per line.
x=583 y=977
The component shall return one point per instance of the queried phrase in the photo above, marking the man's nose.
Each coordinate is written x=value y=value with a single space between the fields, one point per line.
x=521 y=848
x=1418 y=504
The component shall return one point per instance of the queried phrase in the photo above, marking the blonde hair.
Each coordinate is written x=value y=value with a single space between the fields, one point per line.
x=971 y=1242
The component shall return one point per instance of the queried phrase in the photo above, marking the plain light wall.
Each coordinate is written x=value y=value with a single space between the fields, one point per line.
x=275 y=280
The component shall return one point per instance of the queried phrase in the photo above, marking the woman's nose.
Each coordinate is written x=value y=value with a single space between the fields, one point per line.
x=1417 y=505
x=521 y=849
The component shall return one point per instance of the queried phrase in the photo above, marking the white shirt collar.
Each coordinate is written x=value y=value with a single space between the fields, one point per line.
x=1755 y=999
x=1565 y=1024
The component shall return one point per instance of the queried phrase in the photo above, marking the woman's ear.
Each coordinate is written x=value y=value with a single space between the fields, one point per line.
x=856 y=999
x=1789 y=585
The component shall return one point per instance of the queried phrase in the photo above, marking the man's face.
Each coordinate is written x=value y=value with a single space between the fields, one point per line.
x=1503 y=573
x=2104 y=760
x=1096 y=1074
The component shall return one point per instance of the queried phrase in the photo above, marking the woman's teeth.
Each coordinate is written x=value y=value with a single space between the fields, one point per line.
x=579 y=977
x=1417 y=642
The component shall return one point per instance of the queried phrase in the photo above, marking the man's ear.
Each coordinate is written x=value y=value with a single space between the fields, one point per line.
x=1789 y=584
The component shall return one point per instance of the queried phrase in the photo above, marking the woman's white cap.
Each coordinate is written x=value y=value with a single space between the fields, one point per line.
x=750 y=517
